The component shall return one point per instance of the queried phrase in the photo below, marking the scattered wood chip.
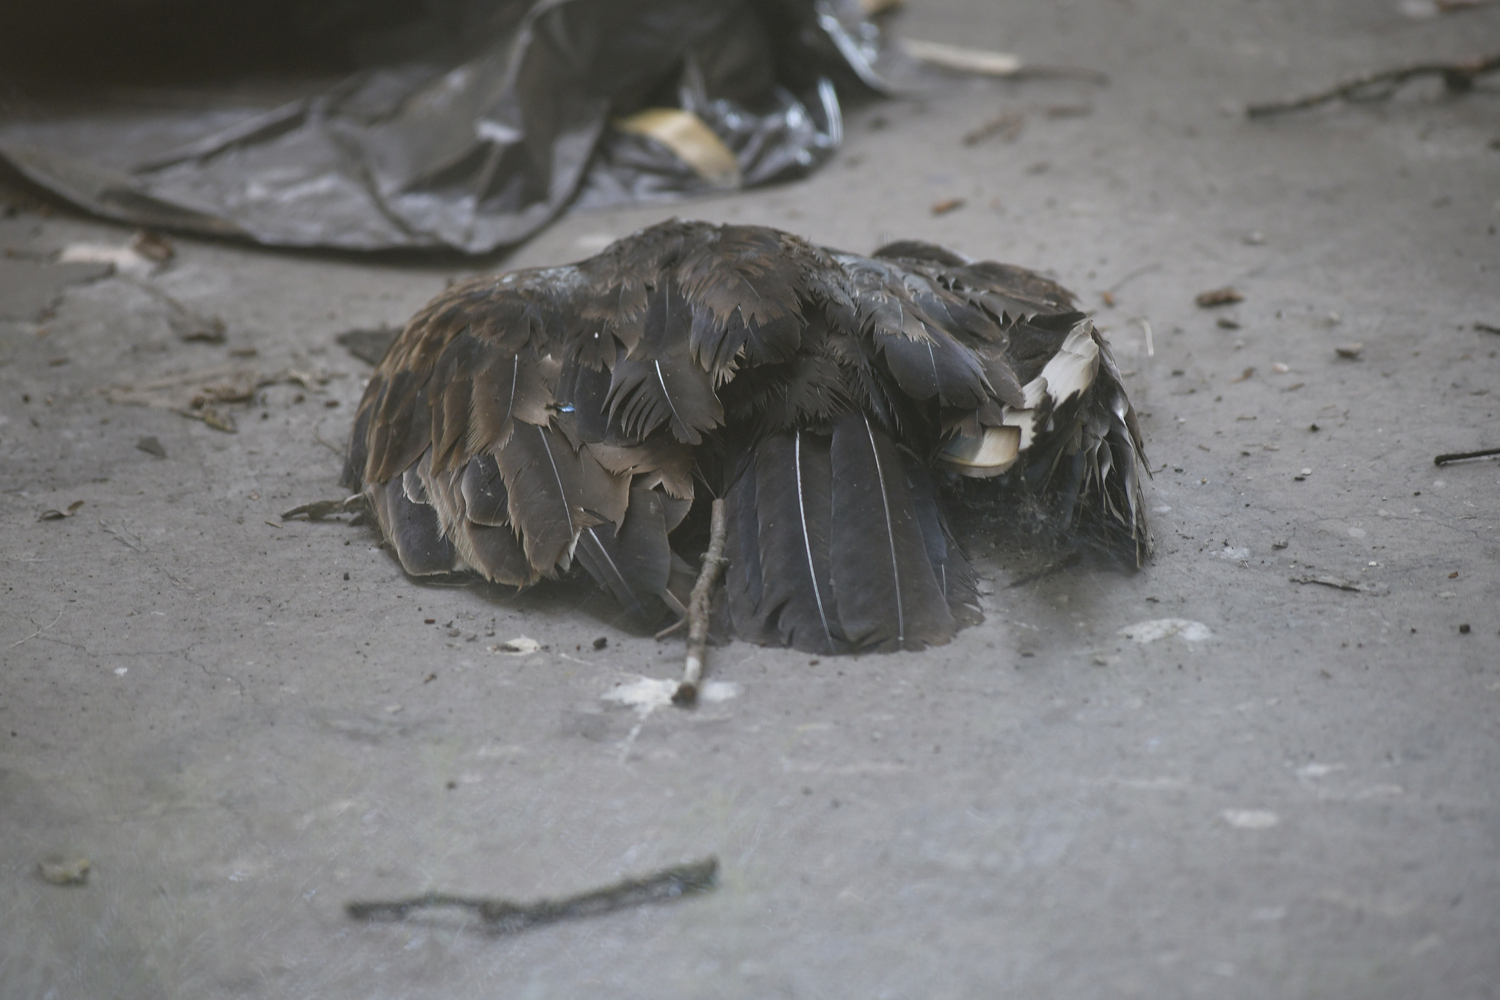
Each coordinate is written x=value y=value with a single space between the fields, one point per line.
x=1228 y=323
x=963 y=60
x=1069 y=110
x=58 y=515
x=947 y=205
x=202 y=395
x=1350 y=350
x=1486 y=327
x=64 y=869
x=213 y=416
x=152 y=446
x=1336 y=582
x=521 y=645
x=1007 y=126
x=1247 y=373
x=1218 y=297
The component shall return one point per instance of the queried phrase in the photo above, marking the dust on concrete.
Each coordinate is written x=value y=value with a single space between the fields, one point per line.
x=242 y=723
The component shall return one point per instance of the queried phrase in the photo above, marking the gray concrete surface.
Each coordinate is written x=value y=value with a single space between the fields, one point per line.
x=244 y=723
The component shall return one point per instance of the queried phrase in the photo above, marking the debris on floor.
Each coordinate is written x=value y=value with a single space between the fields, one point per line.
x=504 y=916
x=1218 y=297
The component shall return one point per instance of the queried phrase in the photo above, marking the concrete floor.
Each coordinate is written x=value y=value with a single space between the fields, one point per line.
x=244 y=723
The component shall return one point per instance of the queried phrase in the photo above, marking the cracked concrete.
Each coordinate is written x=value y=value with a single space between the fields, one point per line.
x=1200 y=780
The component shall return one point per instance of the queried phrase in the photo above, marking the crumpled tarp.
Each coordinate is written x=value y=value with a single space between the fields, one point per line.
x=474 y=144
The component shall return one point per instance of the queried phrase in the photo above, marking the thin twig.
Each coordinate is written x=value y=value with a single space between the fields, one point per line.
x=1457 y=76
x=1464 y=456
x=319 y=509
x=698 y=608
x=504 y=916
x=119 y=534
x=39 y=631
x=671 y=629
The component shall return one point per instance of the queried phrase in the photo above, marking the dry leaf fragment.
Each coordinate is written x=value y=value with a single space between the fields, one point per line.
x=153 y=246
x=1218 y=297
x=58 y=515
x=62 y=869
x=219 y=420
x=947 y=205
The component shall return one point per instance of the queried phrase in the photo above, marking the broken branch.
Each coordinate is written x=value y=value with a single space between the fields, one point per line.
x=1464 y=456
x=1457 y=77
x=698 y=608
x=504 y=916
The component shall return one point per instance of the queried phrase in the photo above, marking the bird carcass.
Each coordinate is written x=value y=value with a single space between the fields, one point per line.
x=585 y=415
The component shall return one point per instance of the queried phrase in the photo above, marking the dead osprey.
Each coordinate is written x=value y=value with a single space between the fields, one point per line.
x=524 y=422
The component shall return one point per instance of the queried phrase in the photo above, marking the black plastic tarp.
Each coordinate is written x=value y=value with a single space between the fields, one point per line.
x=469 y=126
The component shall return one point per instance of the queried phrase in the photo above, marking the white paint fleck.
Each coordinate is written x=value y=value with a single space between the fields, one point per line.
x=648 y=693
x=1162 y=628
x=1234 y=554
x=123 y=258
x=521 y=645
x=121 y=671
x=1309 y=771
x=1250 y=819
x=1356 y=532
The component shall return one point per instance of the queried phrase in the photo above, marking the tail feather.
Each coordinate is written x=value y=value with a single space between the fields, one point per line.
x=635 y=563
x=884 y=585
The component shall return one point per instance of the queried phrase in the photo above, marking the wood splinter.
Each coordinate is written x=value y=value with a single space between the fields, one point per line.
x=698 y=608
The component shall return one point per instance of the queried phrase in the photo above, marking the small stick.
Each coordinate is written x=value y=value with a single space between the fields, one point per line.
x=671 y=629
x=1457 y=77
x=39 y=631
x=698 y=608
x=504 y=916
x=1464 y=456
